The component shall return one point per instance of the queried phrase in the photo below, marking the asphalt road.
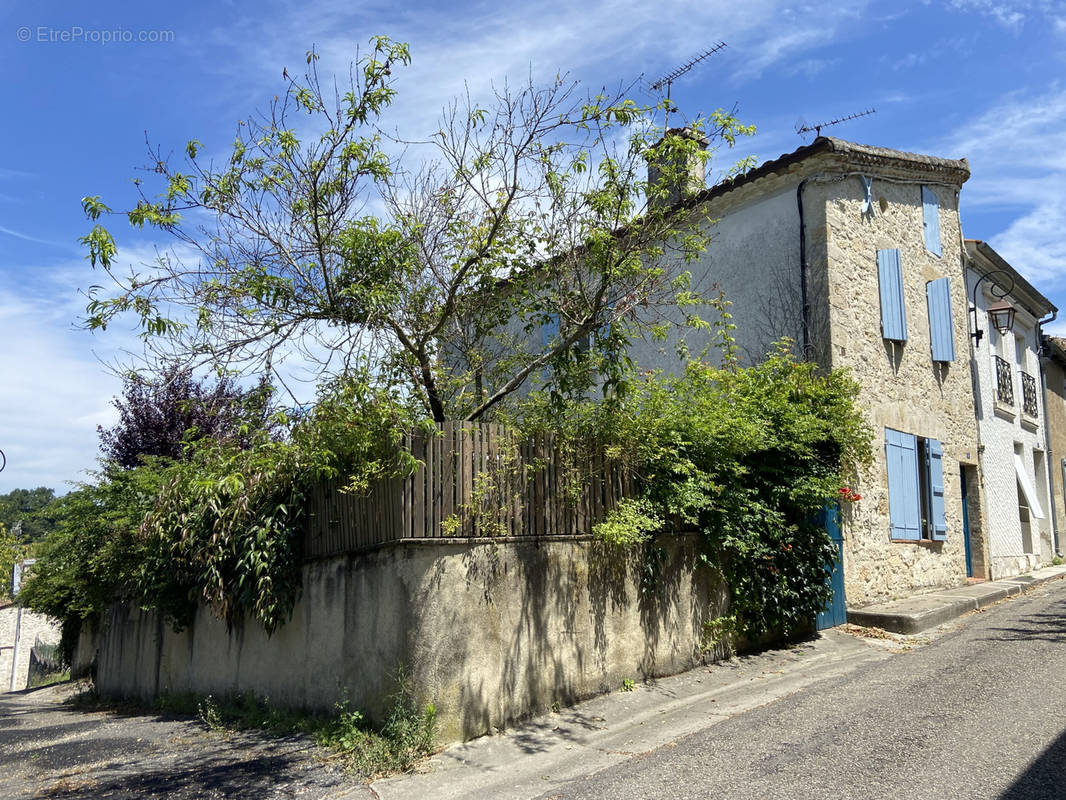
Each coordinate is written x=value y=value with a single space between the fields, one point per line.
x=979 y=712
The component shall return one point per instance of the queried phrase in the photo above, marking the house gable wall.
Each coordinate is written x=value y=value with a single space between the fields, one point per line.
x=901 y=386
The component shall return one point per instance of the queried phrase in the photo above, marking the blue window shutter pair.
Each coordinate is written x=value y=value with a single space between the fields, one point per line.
x=893 y=312
x=904 y=508
x=934 y=470
x=941 y=325
x=904 y=493
x=931 y=220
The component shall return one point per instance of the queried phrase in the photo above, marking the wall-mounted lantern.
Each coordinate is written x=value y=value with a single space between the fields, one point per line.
x=1000 y=313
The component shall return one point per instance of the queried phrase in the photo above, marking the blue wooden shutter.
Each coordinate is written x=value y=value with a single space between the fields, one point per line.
x=549 y=330
x=890 y=278
x=904 y=506
x=931 y=220
x=934 y=475
x=941 y=324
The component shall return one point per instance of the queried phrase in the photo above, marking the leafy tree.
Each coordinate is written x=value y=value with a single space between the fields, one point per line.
x=161 y=417
x=27 y=506
x=12 y=550
x=430 y=267
x=96 y=554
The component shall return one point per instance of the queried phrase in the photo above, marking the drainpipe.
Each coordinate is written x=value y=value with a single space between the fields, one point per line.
x=803 y=274
x=1047 y=435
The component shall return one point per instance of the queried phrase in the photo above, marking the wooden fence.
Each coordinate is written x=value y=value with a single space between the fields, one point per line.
x=473 y=480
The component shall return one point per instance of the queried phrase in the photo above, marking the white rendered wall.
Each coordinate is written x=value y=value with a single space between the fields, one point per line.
x=753 y=258
x=1000 y=428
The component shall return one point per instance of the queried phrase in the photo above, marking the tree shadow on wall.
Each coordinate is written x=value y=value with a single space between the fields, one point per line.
x=556 y=647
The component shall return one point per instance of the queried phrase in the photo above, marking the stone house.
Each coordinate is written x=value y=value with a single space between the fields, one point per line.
x=1012 y=417
x=19 y=629
x=856 y=253
x=1053 y=367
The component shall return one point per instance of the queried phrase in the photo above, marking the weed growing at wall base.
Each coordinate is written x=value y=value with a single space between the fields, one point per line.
x=405 y=736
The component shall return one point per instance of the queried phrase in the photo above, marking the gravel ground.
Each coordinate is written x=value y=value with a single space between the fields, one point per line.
x=54 y=750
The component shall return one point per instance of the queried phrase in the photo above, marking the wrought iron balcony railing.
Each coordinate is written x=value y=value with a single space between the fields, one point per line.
x=1029 y=406
x=1004 y=381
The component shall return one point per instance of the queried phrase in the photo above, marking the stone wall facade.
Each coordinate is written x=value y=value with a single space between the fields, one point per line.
x=1055 y=394
x=14 y=675
x=902 y=387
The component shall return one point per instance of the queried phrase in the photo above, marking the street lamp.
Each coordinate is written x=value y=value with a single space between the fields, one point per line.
x=1000 y=313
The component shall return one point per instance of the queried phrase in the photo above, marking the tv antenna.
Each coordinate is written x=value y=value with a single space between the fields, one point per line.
x=802 y=127
x=668 y=79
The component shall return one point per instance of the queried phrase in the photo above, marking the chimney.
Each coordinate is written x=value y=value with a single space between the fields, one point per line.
x=675 y=169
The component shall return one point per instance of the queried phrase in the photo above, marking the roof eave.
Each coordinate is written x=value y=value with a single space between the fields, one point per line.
x=1024 y=292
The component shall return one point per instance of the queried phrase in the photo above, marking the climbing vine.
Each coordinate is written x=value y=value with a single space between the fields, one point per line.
x=748 y=457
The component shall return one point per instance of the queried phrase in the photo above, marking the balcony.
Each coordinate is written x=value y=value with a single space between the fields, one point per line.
x=1004 y=382
x=1029 y=405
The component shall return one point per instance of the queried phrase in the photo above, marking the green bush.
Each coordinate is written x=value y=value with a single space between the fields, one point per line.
x=223 y=526
x=748 y=457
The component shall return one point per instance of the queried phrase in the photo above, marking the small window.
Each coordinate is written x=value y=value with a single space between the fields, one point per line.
x=931 y=221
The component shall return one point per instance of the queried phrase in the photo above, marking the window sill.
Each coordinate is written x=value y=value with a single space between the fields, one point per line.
x=1005 y=411
x=920 y=542
x=1030 y=423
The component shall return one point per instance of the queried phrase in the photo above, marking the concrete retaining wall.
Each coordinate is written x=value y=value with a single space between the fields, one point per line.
x=488 y=632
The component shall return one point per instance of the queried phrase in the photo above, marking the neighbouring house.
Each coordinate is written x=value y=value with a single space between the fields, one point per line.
x=1011 y=416
x=20 y=630
x=1053 y=364
x=856 y=253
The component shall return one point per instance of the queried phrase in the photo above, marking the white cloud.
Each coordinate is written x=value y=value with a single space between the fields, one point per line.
x=54 y=391
x=1012 y=14
x=602 y=41
x=1017 y=154
x=27 y=238
x=58 y=377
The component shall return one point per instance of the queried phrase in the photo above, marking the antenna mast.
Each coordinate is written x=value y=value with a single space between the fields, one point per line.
x=802 y=127
x=668 y=79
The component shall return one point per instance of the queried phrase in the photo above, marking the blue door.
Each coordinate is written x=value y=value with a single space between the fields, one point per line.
x=836 y=612
x=966 y=522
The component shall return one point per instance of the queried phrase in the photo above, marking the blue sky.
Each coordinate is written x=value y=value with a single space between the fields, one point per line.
x=971 y=78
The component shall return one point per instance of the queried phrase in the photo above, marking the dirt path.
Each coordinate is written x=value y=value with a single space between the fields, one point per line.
x=52 y=750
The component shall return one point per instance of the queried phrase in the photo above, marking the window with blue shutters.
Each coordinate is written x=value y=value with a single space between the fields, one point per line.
x=936 y=521
x=549 y=330
x=941 y=323
x=915 y=468
x=904 y=506
x=931 y=220
x=890 y=281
